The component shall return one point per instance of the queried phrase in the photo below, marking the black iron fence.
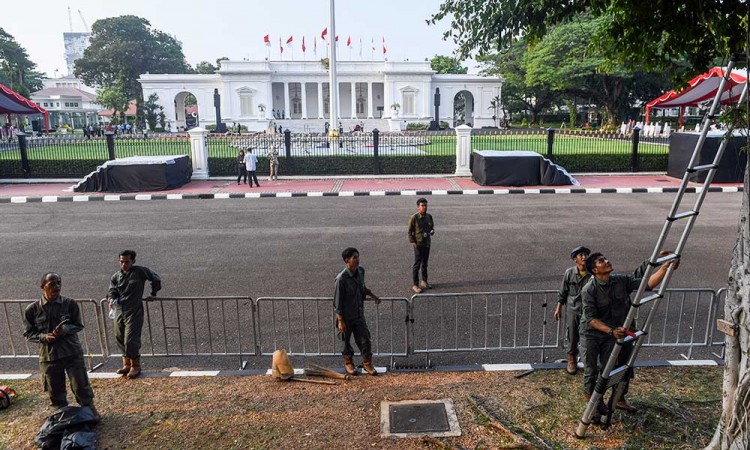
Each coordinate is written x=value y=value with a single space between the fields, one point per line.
x=389 y=153
x=581 y=150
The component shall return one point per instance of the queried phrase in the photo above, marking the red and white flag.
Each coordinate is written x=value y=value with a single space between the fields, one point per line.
x=337 y=38
x=267 y=40
x=303 y=45
x=349 y=41
x=384 y=49
x=324 y=33
x=289 y=41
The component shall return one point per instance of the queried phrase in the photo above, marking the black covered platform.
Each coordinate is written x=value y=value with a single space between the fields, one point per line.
x=138 y=174
x=517 y=168
x=731 y=167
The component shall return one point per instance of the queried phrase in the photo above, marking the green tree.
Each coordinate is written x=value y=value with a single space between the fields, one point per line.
x=152 y=110
x=648 y=35
x=518 y=95
x=121 y=49
x=115 y=99
x=205 y=67
x=447 y=64
x=219 y=60
x=16 y=69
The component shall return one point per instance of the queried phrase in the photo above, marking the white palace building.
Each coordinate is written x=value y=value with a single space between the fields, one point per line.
x=295 y=94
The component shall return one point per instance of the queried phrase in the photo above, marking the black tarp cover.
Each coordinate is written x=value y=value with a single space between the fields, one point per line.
x=517 y=168
x=731 y=167
x=138 y=174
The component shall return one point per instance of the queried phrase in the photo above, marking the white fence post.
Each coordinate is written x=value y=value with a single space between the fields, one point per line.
x=463 y=151
x=199 y=148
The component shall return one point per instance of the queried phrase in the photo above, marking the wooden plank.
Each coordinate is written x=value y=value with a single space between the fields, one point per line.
x=726 y=327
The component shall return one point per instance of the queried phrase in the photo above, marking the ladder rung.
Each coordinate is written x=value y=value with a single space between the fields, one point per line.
x=703 y=167
x=645 y=300
x=667 y=258
x=633 y=336
x=617 y=375
x=682 y=215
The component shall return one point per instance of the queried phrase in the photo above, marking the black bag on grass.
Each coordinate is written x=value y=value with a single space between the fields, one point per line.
x=79 y=440
x=72 y=418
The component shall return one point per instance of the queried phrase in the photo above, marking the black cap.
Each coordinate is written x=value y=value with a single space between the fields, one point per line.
x=578 y=250
x=422 y=200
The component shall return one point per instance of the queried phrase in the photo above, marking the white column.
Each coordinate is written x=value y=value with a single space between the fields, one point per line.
x=199 y=148
x=463 y=151
x=370 y=106
x=320 y=101
x=287 y=114
x=354 y=99
x=304 y=101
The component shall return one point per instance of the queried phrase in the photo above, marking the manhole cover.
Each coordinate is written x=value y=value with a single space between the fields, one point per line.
x=415 y=418
x=419 y=418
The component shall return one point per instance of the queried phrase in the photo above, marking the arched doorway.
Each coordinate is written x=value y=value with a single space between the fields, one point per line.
x=463 y=108
x=186 y=111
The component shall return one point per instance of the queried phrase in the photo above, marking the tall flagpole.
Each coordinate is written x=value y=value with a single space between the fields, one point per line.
x=333 y=84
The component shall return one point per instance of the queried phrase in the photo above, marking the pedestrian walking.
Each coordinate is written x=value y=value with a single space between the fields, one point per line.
x=273 y=164
x=420 y=231
x=251 y=165
x=54 y=322
x=126 y=297
x=349 y=299
x=241 y=170
x=570 y=295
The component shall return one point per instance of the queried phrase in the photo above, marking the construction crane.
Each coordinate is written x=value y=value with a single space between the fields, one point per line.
x=70 y=20
x=85 y=25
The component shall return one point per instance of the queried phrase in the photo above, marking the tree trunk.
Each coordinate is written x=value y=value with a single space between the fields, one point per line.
x=733 y=430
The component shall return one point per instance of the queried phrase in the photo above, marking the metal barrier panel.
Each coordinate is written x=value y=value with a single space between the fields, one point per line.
x=307 y=326
x=682 y=319
x=718 y=339
x=480 y=321
x=193 y=326
x=16 y=346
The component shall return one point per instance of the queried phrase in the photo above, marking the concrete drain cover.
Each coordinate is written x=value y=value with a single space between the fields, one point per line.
x=416 y=418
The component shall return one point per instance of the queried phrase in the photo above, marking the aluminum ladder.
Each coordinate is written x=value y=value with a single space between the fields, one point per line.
x=612 y=377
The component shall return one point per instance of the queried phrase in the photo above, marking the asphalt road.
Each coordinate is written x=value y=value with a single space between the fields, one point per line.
x=292 y=246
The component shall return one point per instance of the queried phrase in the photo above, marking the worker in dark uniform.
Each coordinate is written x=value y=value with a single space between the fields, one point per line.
x=420 y=231
x=606 y=301
x=570 y=294
x=126 y=297
x=54 y=322
x=349 y=299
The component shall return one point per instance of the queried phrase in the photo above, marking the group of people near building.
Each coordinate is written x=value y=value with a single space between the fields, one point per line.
x=247 y=166
x=8 y=132
x=55 y=321
x=596 y=303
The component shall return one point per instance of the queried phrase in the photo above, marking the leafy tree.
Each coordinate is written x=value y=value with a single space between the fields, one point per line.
x=115 y=99
x=121 y=49
x=152 y=110
x=205 y=67
x=649 y=35
x=447 y=64
x=518 y=95
x=219 y=60
x=16 y=69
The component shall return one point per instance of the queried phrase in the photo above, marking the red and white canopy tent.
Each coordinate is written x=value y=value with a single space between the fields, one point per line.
x=12 y=102
x=701 y=89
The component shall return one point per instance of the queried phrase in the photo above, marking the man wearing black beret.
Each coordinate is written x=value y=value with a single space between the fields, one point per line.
x=570 y=294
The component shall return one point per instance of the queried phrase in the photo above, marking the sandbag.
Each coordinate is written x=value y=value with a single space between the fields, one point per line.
x=72 y=418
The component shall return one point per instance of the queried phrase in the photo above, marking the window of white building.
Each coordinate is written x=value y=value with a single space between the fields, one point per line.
x=409 y=97
x=247 y=107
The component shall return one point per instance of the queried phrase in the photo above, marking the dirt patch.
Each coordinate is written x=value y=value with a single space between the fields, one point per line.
x=260 y=413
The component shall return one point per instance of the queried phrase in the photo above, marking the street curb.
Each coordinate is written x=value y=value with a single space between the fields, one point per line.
x=468 y=368
x=233 y=195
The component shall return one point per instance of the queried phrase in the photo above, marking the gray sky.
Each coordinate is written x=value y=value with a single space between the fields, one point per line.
x=235 y=28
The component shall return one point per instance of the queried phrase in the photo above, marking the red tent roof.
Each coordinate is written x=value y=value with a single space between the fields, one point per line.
x=13 y=103
x=702 y=88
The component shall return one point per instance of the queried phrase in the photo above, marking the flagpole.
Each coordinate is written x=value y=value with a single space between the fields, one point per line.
x=333 y=84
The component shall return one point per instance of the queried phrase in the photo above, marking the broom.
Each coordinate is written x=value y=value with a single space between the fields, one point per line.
x=319 y=371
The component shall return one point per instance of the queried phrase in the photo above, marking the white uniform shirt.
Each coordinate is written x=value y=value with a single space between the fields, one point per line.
x=251 y=162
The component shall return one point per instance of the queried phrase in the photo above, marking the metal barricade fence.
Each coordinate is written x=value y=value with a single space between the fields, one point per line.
x=16 y=346
x=307 y=326
x=718 y=339
x=194 y=326
x=481 y=321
